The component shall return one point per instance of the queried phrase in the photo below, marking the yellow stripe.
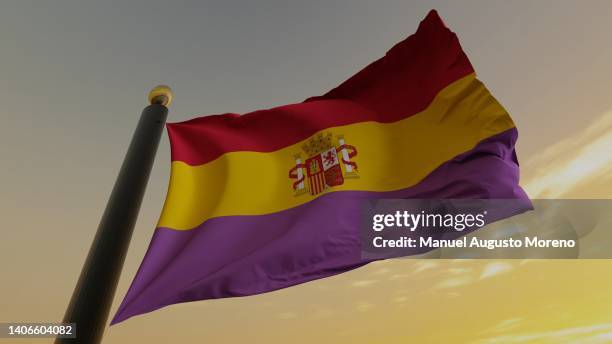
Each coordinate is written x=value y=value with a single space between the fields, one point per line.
x=390 y=156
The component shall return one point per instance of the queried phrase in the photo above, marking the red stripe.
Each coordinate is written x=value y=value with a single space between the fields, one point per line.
x=321 y=182
x=313 y=185
x=312 y=188
x=317 y=183
x=402 y=83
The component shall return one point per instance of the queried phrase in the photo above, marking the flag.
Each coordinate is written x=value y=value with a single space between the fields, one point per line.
x=271 y=199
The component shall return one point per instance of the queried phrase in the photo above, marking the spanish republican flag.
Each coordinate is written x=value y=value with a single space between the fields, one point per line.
x=271 y=199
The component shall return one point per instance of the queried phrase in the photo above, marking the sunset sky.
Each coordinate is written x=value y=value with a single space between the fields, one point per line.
x=75 y=77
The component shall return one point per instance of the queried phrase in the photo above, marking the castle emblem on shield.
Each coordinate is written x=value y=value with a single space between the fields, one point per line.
x=327 y=164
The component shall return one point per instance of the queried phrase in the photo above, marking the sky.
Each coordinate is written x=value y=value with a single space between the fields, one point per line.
x=74 y=78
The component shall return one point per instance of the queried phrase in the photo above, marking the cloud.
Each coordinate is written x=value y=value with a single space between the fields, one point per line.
x=363 y=283
x=454 y=282
x=364 y=306
x=505 y=325
x=381 y=271
x=424 y=266
x=400 y=299
x=496 y=268
x=577 y=159
x=598 y=333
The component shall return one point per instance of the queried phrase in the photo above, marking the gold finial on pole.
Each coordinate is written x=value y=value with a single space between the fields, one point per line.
x=161 y=95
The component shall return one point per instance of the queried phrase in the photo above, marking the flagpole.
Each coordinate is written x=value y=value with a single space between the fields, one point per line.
x=94 y=291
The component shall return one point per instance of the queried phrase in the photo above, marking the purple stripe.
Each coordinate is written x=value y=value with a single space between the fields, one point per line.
x=245 y=255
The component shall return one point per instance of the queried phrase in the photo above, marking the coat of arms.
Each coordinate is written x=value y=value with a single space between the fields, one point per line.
x=326 y=165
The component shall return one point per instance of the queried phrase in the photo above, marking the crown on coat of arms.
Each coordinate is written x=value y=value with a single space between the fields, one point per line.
x=318 y=144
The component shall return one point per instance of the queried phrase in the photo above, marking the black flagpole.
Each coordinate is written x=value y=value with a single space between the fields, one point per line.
x=93 y=294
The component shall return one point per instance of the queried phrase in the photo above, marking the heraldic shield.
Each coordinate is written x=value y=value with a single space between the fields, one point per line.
x=326 y=165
